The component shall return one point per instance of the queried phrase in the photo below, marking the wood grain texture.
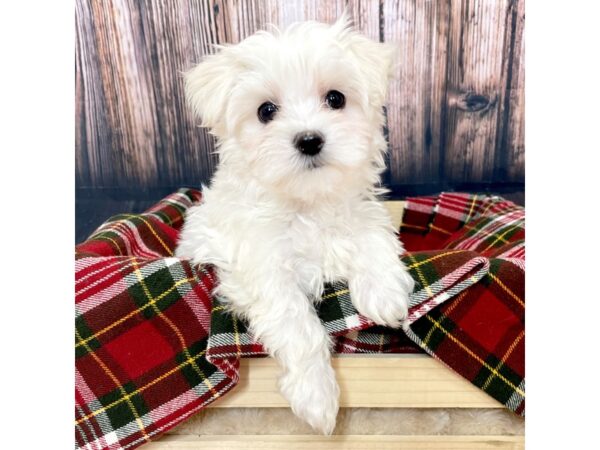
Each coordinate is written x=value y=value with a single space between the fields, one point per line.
x=415 y=102
x=402 y=381
x=396 y=210
x=455 y=113
x=479 y=74
x=339 y=442
x=513 y=145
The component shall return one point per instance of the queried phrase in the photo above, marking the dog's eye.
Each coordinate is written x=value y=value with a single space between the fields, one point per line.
x=335 y=99
x=266 y=112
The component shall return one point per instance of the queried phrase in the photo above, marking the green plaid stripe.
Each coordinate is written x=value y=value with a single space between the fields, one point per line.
x=229 y=336
x=160 y=309
x=494 y=364
x=119 y=412
x=84 y=334
x=153 y=290
x=489 y=233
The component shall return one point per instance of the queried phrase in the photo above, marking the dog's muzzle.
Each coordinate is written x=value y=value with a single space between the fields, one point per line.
x=309 y=142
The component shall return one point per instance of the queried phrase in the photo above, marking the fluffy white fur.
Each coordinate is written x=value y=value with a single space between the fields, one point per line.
x=278 y=224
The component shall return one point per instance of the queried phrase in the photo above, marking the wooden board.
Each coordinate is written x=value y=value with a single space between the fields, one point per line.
x=349 y=442
x=455 y=112
x=479 y=67
x=416 y=98
x=377 y=381
x=395 y=208
x=416 y=381
x=512 y=167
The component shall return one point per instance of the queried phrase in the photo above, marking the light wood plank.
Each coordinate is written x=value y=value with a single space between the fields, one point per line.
x=477 y=75
x=396 y=209
x=350 y=442
x=134 y=129
x=419 y=30
x=383 y=381
x=514 y=131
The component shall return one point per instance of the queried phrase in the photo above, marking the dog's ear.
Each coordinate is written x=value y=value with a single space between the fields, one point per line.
x=208 y=86
x=375 y=59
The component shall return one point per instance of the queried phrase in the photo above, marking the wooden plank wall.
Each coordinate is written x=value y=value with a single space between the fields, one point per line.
x=456 y=106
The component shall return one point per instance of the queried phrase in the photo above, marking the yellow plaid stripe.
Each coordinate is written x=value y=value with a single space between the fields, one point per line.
x=427 y=338
x=335 y=294
x=507 y=290
x=474 y=356
x=501 y=238
x=452 y=306
x=236 y=334
x=417 y=264
x=114 y=228
x=504 y=358
x=487 y=208
x=148 y=224
x=151 y=228
x=473 y=201
x=124 y=396
x=441 y=230
x=151 y=303
x=456 y=302
x=164 y=217
x=104 y=237
x=475 y=230
x=173 y=327
x=416 y=227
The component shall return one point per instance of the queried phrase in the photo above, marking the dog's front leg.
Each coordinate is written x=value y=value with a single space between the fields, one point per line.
x=380 y=283
x=283 y=319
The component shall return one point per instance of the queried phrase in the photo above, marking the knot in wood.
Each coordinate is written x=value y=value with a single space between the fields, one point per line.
x=472 y=102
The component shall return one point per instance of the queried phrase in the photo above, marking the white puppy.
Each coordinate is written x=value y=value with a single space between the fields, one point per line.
x=293 y=204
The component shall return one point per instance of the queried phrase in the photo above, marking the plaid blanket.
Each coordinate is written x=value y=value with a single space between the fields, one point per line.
x=480 y=333
x=153 y=346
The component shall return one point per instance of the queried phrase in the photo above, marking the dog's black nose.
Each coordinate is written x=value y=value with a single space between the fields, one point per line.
x=309 y=142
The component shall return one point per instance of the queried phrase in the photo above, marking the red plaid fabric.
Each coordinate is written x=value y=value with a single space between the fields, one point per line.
x=153 y=346
x=480 y=333
x=142 y=322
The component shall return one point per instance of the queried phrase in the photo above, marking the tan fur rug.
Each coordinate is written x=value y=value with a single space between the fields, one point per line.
x=451 y=421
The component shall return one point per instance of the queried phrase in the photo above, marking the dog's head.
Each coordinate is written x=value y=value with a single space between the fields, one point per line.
x=299 y=111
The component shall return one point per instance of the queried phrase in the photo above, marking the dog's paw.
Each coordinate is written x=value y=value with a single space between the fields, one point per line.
x=383 y=298
x=313 y=395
